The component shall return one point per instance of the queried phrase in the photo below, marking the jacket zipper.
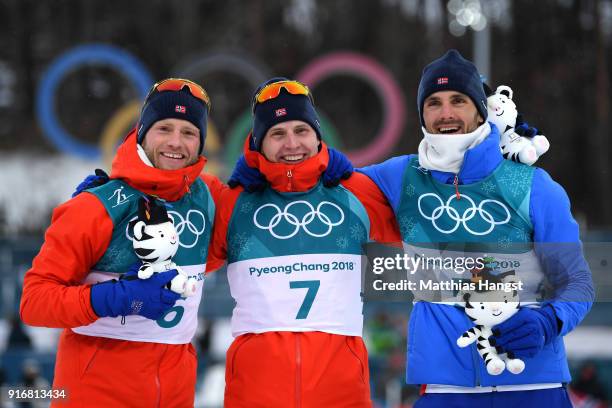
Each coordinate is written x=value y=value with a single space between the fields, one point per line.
x=476 y=361
x=456 y=184
x=157 y=381
x=186 y=180
x=298 y=370
x=289 y=181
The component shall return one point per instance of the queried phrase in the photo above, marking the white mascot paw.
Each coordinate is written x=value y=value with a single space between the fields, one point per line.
x=541 y=144
x=145 y=272
x=178 y=283
x=496 y=366
x=464 y=341
x=191 y=287
x=515 y=366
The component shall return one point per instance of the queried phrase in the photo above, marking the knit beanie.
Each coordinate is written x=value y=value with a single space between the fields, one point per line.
x=173 y=104
x=283 y=108
x=452 y=72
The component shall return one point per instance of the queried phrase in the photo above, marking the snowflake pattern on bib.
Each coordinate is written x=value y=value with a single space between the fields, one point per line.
x=240 y=243
x=342 y=242
x=488 y=187
x=357 y=232
x=516 y=180
x=408 y=226
x=410 y=190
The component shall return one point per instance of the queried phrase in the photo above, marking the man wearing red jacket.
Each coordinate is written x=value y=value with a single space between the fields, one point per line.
x=127 y=342
x=294 y=264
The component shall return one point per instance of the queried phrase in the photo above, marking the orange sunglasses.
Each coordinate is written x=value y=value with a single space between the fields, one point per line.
x=176 y=84
x=272 y=91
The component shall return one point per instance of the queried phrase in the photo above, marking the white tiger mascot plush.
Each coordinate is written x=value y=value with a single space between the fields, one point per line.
x=502 y=112
x=486 y=309
x=156 y=242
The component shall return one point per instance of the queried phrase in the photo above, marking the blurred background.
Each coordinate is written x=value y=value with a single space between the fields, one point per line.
x=73 y=74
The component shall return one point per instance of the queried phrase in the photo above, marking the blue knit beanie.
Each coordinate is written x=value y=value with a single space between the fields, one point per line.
x=452 y=72
x=283 y=108
x=173 y=104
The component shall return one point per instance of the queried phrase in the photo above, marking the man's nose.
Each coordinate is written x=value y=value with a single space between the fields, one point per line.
x=447 y=111
x=291 y=141
x=174 y=138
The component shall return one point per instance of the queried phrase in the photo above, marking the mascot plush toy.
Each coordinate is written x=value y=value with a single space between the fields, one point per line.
x=156 y=242
x=502 y=112
x=486 y=309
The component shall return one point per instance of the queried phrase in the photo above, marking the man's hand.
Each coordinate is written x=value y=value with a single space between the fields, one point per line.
x=132 y=296
x=523 y=128
x=93 y=180
x=339 y=168
x=249 y=178
x=525 y=333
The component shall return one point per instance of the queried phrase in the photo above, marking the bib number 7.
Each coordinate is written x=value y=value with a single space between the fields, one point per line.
x=313 y=288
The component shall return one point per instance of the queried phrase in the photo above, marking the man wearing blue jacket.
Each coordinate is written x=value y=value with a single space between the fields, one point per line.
x=504 y=203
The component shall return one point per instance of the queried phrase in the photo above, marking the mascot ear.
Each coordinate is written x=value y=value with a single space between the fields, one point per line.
x=487 y=89
x=139 y=230
x=505 y=90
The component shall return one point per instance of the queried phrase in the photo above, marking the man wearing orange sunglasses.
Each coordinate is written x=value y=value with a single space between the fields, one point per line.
x=127 y=342
x=294 y=263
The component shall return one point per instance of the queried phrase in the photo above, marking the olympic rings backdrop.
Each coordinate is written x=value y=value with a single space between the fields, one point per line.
x=221 y=155
x=92 y=54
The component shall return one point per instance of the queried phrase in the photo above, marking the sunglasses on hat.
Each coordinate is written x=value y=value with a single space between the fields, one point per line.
x=177 y=84
x=272 y=91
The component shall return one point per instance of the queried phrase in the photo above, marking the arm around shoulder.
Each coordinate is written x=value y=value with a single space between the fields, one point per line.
x=383 y=225
x=388 y=176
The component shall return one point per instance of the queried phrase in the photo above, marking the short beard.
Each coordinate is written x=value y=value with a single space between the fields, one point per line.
x=477 y=122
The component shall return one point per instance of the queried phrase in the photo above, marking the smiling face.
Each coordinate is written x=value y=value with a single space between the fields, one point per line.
x=502 y=111
x=157 y=242
x=290 y=142
x=172 y=144
x=450 y=112
x=491 y=308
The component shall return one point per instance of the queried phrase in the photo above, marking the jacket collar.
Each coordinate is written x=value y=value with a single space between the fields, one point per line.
x=478 y=162
x=286 y=177
x=169 y=185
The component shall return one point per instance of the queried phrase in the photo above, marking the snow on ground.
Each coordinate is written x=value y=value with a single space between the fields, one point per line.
x=589 y=342
x=34 y=184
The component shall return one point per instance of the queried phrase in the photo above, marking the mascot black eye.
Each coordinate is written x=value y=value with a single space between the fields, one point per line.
x=482 y=307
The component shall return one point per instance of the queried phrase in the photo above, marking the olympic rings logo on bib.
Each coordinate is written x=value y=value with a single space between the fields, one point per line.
x=194 y=221
x=329 y=221
x=468 y=214
x=191 y=224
